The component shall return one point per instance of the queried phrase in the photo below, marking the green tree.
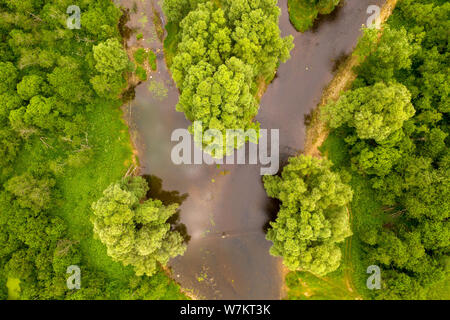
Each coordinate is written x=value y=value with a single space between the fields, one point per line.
x=135 y=231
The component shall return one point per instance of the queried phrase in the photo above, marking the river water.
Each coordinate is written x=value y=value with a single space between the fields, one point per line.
x=225 y=210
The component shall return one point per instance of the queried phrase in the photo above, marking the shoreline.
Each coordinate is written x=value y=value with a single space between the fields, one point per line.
x=317 y=130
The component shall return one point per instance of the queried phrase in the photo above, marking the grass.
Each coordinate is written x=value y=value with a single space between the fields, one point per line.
x=366 y=211
x=306 y=286
x=303 y=15
x=141 y=73
x=109 y=137
x=170 y=42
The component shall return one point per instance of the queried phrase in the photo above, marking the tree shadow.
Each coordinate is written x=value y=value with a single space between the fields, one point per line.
x=167 y=198
x=324 y=18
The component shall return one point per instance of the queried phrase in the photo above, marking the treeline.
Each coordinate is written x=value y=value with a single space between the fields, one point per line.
x=57 y=85
x=224 y=53
x=135 y=229
x=303 y=13
x=395 y=125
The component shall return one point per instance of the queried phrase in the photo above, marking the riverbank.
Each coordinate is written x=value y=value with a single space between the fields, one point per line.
x=320 y=144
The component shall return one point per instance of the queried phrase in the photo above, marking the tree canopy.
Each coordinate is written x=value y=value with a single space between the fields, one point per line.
x=135 y=231
x=313 y=216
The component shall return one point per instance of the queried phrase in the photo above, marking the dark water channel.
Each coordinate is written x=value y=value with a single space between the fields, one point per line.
x=225 y=210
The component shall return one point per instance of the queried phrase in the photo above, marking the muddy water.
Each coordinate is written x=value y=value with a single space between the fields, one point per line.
x=225 y=210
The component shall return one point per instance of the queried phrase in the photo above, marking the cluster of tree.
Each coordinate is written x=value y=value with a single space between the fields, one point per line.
x=135 y=230
x=313 y=217
x=303 y=13
x=51 y=78
x=225 y=50
x=395 y=123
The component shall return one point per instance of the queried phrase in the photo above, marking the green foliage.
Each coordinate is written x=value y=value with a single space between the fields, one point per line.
x=140 y=55
x=313 y=216
x=400 y=156
x=111 y=61
x=30 y=192
x=110 y=57
x=390 y=55
x=30 y=86
x=136 y=232
x=8 y=76
x=303 y=13
x=62 y=142
x=376 y=112
x=141 y=73
x=152 y=60
x=222 y=53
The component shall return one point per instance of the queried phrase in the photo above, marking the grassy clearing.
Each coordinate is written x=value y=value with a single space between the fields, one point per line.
x=78 y=188
x=306 y=286
x=366 y=212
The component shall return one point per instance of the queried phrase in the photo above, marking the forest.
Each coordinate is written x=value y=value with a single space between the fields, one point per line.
x=62 y=144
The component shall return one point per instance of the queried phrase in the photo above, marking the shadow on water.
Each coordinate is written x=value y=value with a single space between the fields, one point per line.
x=339 y=60
x=327 y=18
x=167 y=198
x=124 y=29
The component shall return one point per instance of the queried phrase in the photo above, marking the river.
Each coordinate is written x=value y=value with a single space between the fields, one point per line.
x=225 y=210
